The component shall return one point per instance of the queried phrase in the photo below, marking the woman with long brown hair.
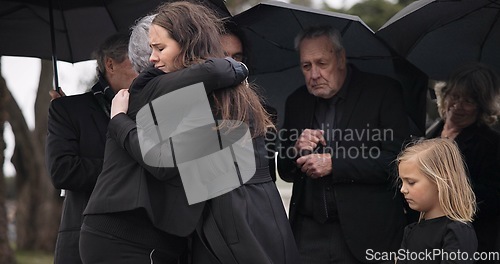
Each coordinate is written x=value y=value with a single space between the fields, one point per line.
x=245 y=225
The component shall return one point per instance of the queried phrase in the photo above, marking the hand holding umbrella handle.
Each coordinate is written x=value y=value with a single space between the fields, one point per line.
x=56 y=94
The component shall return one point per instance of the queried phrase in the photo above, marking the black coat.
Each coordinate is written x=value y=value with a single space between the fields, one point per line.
x=74 y=156
x=124 y=184
x=251 y=218
x=370 y=209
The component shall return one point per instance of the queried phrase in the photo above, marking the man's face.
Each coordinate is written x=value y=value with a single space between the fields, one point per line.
x=324 y=70
x=120 y=74
x=232 y=47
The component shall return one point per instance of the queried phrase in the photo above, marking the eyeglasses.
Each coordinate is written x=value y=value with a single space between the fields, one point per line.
x=466 y=102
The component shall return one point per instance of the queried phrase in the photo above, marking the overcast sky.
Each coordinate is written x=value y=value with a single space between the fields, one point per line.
x=22 y=74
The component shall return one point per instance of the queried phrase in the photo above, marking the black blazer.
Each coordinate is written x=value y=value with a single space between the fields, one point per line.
x=126 y=185
x=74 y=156
x=370 y=208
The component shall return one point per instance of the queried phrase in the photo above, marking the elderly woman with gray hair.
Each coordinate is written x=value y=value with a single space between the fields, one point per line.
x=138 y=47
x=125 y=220
x=468 y=105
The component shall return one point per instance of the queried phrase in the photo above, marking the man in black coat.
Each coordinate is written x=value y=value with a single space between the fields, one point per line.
x=77 y=127
x=341 y=134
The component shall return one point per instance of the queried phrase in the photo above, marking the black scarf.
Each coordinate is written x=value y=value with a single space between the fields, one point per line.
x=103 y=94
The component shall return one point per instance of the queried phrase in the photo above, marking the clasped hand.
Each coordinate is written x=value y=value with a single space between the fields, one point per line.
x=313 y=165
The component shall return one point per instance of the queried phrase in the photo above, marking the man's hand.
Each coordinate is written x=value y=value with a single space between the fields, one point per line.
x=120 y=103
x=315 y=165
x=309 y=140
x=54 y=94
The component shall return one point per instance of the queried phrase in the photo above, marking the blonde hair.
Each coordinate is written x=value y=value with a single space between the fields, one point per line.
x=440 y=160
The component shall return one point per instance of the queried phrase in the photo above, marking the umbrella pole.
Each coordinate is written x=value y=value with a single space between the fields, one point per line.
x=54 y=51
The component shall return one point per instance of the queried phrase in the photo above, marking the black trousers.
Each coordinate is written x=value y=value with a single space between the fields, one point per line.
x=321 y=243
x=97 y=247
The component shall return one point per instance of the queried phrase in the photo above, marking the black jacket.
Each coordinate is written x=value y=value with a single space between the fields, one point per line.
x=124 y=184
x=369 y=209
x=76 y=137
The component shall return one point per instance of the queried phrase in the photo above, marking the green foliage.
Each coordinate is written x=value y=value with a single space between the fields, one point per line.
x=301 y=2
x=373 y=12
x=29 y=257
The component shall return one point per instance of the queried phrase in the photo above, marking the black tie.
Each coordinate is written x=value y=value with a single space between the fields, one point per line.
x=324 y=204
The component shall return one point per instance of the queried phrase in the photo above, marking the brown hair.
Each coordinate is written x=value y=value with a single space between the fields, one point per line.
x=478 y=82
x=198 y=32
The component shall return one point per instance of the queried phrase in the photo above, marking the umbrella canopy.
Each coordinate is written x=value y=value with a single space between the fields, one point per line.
x=270 y=29
x=439 y=35
x=80 y=26
x=70 y=30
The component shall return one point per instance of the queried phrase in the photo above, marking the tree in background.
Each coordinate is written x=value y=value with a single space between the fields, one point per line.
x=38 y=207
x=374 y=12
x=6 y=254
x=238 y=6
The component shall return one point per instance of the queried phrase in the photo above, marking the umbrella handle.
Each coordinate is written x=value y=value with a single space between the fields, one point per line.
x=54 y=50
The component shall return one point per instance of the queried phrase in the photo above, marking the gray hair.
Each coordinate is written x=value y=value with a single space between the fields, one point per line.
x=317 y=31
x=114 y=47
x=139 y=50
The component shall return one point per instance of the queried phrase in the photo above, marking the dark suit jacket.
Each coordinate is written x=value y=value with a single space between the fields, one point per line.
x=74 y=156
x=369 y=207
x=126 y=185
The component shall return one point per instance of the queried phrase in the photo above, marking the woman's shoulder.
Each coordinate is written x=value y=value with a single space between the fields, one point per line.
x=145 y=78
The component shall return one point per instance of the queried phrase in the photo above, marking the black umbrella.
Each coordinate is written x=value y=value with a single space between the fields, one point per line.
x=439 y=35
x=270 y=29
x=69 y=30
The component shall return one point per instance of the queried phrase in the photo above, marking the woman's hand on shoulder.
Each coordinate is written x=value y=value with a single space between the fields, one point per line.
x=120 y=103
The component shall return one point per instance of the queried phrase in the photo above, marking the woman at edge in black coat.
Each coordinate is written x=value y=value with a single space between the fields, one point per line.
x=468 y=106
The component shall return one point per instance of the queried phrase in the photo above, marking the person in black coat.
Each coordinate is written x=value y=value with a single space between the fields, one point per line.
x=76 y=137
x=132 y=209
x=245 y=225
x=341 y=134
x=233 y=41
x=468 y=106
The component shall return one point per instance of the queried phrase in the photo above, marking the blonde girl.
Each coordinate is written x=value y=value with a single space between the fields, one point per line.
x=434 y=182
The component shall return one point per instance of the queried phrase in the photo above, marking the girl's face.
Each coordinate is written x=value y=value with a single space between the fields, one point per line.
x=420 y=193
x=165 y=49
